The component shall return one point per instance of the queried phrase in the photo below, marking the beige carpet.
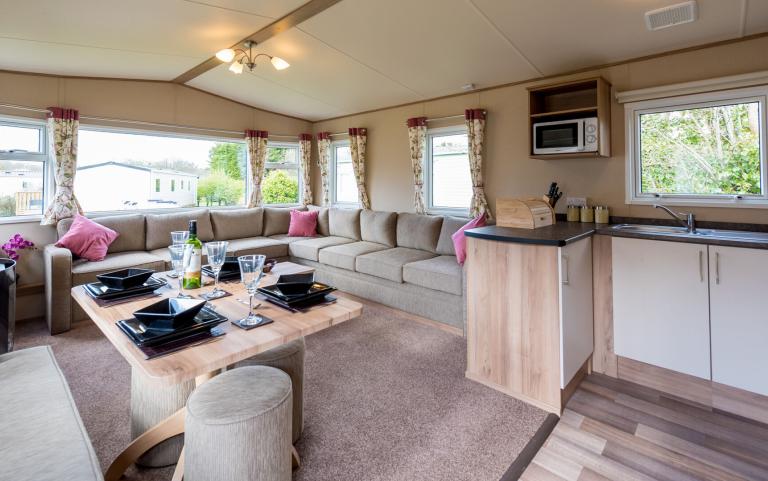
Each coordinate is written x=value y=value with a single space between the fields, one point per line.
x=386 y=399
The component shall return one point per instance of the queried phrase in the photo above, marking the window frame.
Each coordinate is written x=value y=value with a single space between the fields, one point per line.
x=332 y=170
x=42 y=156
x=180 y=135
x=284 y=165
x=428 y=170
x=633 y=175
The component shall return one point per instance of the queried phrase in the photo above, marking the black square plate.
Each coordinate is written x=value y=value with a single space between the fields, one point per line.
x=169 y=314
x=230 y=269
x=144 y=335
x=318 y=289
x=100 y=291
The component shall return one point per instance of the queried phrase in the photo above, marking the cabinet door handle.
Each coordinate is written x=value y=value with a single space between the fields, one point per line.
x=717 y=268
x=701 y=265
x=566 y=276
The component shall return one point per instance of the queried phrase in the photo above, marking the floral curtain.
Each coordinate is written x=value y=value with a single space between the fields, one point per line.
x=323 y=163
x=476 y=132
x=305 y=154
x=256 y=140
x=417 y=135
x=62 y=136
x=358 y=138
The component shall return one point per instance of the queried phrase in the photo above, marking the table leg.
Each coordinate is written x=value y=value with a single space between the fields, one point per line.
x=170 y=427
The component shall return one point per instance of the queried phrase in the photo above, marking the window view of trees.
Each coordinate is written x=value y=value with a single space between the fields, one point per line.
x=281 y=175
x=708 y=150
x=224 y=183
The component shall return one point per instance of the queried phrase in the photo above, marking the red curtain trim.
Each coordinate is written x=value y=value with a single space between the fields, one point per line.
x=358 y=132
x=263 y=134
x=305 y=136
x=324 y=136
x=474 y=114
x=417 y=122
x=60 y=113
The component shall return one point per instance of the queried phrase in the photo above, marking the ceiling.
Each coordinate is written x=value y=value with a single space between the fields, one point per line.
x=356 y=55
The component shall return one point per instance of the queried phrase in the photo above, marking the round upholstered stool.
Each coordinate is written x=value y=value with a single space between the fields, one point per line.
x=289 y=358
x=238 y=427
x=152 y=402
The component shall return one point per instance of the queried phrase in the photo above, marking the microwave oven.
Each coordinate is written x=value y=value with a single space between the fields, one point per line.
x=576 y=135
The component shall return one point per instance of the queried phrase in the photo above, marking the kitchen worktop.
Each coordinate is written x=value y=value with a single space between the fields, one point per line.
x=558 y=234
x=564 y=233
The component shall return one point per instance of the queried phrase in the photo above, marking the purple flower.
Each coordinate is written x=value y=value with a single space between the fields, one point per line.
x=16 y=243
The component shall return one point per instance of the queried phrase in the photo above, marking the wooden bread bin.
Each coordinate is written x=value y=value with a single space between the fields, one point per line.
x=524 y=213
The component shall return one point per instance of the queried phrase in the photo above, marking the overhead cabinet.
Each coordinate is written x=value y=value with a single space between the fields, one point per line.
x=692 y=308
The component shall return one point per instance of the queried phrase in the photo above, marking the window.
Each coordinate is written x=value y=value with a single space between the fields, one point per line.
x=447 y=177
x=703 y=149
x=120 y=169
x=281 y=174
x=343 y=184
x=23 y=156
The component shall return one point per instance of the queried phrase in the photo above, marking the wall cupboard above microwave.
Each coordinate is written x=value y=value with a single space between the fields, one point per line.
x=570 y=120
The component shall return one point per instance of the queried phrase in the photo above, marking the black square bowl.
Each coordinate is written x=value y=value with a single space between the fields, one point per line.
x=171 y=313
x=125 y=278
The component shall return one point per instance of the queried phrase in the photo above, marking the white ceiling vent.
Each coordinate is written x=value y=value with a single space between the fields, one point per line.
x=678 y=14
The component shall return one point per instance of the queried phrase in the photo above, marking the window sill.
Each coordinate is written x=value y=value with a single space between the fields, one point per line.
x=728 y=203
x=449 y=212
x=21 y=219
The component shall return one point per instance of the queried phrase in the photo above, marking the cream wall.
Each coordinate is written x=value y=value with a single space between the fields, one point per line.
x=159 y=102
x=509 y=172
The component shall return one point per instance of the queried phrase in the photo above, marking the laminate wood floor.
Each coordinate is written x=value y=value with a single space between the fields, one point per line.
x=614 y=429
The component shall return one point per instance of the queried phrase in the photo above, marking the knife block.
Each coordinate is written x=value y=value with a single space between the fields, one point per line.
x=524 y=213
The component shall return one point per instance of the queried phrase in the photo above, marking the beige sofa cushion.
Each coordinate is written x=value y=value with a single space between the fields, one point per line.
x=277 y=220
x=130 y=227
x=257 y=245
x=441 y=273
x=343 y=256
x=84 y=271
x=160 y=226
x=450 y=226
x=237 y=223
x=286 y=239
x=379 y=227
x=388 y=264
x=418 y=231
x=344 y=223
x=310 y=248
x=323 y=227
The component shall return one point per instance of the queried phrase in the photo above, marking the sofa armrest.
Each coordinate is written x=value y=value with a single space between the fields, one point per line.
x=58 y=284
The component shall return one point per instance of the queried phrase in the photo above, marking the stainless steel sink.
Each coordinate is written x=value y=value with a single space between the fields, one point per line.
x=661 y=230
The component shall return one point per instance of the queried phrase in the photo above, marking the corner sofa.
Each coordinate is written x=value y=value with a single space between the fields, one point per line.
x=402 y=260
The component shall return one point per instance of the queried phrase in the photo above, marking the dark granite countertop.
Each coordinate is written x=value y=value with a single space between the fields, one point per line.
x=564 y=233
x=559 y=234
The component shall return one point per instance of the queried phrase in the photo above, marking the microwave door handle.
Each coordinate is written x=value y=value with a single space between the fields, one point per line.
x=580 y=136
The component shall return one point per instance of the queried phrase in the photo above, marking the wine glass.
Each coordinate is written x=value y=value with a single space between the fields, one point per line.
x=251 y=272
x=181 y=256
x=178 y=237
x=217 y=254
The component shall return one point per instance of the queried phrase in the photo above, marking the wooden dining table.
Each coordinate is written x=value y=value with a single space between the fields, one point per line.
x=202 y=362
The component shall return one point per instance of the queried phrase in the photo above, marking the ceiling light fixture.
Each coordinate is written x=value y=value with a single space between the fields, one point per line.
x=241 y=58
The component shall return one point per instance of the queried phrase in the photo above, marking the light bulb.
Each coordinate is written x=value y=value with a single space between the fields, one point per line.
x=279 y=63
x=236 y=67
x=225 y=55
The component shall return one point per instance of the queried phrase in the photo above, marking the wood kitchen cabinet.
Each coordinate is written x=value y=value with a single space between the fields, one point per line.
x=661 y=304
x=739 y=317
x=529 y=318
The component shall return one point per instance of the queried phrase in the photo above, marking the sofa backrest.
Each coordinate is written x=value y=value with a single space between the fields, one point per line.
x=160 y=226
x=130 y=227
x=418 y=231
x=277 y=220
x=323 y=227
x=237 y=223
x=344 y=223
x=445 y=242
x=379 y=227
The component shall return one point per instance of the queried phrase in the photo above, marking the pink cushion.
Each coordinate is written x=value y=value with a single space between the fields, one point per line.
x=303 y=223
x=460 y=241
x=87 y=239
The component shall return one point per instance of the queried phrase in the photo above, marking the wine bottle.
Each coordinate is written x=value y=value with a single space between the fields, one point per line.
x=193 y=275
